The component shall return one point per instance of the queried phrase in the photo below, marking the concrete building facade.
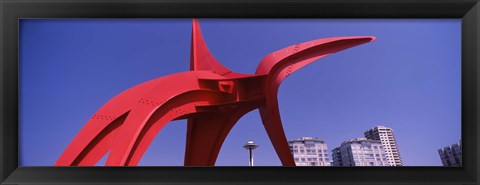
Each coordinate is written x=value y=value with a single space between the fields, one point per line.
x=309 y=151
x=451 y=155
x=386 y=136
x=360 y=152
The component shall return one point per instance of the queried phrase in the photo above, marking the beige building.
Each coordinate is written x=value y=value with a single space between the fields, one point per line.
x=309 y=151
x=387 y=138
x=360 y=152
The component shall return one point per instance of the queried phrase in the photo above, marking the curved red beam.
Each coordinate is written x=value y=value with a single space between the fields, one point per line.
x=212 y=98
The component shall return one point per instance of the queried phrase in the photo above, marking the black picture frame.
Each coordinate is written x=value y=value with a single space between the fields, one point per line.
x=13 y=10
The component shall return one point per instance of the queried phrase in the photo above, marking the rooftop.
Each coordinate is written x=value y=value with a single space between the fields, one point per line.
x=359 y=140
x=303 y=139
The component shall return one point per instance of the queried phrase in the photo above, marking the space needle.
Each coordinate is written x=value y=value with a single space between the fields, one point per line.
x=250 y=146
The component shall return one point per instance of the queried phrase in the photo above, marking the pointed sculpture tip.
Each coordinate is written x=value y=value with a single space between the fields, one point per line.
x=195 y=25
x=370 y=38
x=367 y=38
x=194 y=22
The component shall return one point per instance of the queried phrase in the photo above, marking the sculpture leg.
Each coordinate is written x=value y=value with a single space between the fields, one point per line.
x=145 y=121
x=273 y=126
x=206 y=134
x=93 y=140
x=100 y=145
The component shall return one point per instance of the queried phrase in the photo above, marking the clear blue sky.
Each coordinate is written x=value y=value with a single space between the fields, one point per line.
x=408 y=79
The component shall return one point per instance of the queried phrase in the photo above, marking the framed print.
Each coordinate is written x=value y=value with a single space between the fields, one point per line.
x=242 y=92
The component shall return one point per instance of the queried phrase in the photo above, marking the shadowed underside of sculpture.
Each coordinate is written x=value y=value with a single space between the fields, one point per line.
x=210 y=96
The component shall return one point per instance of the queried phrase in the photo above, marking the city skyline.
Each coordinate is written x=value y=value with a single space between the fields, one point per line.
x=450 y=155
x=408 y=79
x=349 y=150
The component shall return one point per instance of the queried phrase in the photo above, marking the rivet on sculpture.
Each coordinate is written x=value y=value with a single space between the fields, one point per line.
x=212 y=98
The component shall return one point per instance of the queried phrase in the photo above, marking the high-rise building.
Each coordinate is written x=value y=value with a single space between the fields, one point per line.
x=337 y=157
x=308 y=151
x=360 y=152
x=451 y=155
x=387 y=137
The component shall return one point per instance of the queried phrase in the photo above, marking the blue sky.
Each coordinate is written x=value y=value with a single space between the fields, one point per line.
x=408 y=79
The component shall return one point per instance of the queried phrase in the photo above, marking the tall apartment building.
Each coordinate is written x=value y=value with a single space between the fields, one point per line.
x=360 y=152
x=308 y=151
x=451 y=155
x=387 y=138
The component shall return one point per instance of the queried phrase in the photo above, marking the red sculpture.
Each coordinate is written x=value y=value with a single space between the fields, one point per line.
x=210 y=96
